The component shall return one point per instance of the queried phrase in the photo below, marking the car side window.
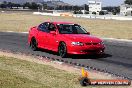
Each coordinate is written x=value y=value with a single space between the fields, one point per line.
x=44 y=27
x=52 y=27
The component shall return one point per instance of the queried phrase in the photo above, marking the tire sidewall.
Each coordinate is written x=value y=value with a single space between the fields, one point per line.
x=64 y=45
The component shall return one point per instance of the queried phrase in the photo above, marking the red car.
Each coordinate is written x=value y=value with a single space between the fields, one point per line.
x=64 y=38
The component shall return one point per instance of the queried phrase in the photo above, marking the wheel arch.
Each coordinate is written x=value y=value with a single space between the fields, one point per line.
x=61 y=42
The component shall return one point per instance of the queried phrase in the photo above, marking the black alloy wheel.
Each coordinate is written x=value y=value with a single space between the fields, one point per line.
x=62 y=50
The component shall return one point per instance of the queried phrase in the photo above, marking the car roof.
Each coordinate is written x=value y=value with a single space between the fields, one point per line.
x=55 y=22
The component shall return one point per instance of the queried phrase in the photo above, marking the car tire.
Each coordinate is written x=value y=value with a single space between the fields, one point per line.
x=33 y=44
x=62 y=50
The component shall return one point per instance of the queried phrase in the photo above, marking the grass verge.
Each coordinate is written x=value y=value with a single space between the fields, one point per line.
x=103 y=28
x=15 y=73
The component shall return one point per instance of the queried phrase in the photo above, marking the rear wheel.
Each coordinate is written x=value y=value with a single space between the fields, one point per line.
x=62 y=50
x=33 y=44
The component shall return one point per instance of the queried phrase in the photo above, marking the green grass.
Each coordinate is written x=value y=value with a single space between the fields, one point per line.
x=103 y=28
x=16 y=73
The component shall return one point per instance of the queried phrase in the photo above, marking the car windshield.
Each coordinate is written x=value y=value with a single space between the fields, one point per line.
x=71 y=29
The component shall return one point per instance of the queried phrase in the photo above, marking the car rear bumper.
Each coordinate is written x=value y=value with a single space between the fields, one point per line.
x=86 y=49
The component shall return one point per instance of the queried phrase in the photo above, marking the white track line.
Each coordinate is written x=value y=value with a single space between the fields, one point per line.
x=120 y=40
x=18 y=32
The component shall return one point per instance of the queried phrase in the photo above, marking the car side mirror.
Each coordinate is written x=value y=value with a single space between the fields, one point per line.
x=88 y=33
x=53 y=32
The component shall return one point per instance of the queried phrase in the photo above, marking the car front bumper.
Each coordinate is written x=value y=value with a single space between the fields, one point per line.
x=98 y=49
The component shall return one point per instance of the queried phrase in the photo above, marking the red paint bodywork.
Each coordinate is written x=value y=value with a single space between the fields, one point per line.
x=51 y=41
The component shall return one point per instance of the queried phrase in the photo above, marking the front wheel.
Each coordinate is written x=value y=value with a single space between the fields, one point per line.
x=62 y=50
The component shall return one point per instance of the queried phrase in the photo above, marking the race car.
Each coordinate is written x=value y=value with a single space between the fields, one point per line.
x=64 y=38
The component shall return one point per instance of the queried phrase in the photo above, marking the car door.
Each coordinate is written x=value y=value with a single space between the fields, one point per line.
x=52 y=37
x=42 y=35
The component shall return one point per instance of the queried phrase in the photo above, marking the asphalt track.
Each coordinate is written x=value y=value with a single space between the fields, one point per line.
x=117 y=60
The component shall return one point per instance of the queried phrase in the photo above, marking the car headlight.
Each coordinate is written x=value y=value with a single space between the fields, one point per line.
x=77 y=43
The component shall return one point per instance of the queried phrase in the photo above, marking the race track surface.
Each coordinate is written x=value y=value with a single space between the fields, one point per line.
x=117 y=60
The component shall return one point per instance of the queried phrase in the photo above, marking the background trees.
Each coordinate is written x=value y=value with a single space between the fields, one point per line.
x=128 y=2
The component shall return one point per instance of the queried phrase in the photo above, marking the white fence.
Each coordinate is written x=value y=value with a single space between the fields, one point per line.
x=106 y=17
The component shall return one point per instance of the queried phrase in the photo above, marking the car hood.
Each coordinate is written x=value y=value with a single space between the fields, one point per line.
x=82 y=38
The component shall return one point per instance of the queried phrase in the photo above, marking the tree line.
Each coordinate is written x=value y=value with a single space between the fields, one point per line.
x=34 y=5
x=128 y=2
x=43 y=6
x=10 y=5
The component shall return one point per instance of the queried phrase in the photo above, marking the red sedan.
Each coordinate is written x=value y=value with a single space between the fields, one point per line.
x=64 y=38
